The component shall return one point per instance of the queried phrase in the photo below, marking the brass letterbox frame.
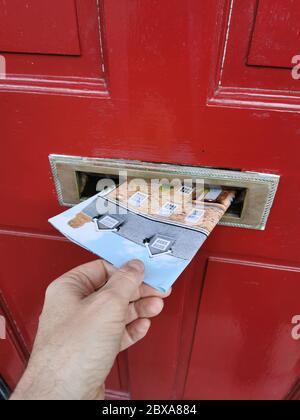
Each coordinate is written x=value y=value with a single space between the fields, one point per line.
x=260 y=188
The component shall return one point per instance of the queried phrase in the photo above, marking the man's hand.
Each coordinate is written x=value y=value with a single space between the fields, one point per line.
x=90 y=315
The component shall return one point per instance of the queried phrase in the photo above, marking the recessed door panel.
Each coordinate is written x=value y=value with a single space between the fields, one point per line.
x=276 y=35
x=243 y=346
x=53 y=46
x=39 y=27
x=255 y=48
x=12 y=356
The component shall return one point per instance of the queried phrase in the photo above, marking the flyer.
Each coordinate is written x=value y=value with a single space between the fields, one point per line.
x=164 y=227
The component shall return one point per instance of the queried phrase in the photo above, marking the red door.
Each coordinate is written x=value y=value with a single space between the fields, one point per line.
x=196 y=82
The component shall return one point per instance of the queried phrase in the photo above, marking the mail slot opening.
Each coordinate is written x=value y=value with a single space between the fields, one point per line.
x=87 y=183
x=88 y=187
x=237 y=206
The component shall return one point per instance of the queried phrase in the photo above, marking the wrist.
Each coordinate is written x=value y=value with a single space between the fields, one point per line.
x=37 y=384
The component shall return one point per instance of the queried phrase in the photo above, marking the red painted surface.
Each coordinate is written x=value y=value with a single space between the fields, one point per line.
x=279 y=20
x=48 y=27
x=13 y=351
x=52 y=44
x=169 y=84
x=245 y=316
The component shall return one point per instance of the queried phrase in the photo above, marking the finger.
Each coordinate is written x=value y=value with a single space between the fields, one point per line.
x=144 y=308
x=145 y=291
x=110 y=269
x=125 y=281
x=84 y=280
x=134 y=332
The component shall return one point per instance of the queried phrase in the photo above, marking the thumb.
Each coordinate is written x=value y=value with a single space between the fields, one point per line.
x=127 y=279
x=80 y=282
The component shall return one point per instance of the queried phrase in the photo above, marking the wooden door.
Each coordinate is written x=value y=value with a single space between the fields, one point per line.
x=197 y=82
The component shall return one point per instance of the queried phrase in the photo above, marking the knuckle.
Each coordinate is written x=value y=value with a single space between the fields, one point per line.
x=111 y=296
x=130 y=275
x=52 y=287
x=115 y=297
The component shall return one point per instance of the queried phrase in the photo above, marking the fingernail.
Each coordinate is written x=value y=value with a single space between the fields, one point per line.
x=136 y=265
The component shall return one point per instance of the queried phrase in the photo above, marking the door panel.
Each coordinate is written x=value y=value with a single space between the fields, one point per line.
x=41 y=28
x=243 y=342
x=179 y=83
x=13 y=355
x=255 y=45
x=53 y=47
x=11 y=364
x=275 y=38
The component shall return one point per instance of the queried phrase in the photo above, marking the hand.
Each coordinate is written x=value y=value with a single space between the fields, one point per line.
x=90 y=315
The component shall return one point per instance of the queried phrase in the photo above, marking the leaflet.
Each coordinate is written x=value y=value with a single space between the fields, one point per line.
x=165 y=230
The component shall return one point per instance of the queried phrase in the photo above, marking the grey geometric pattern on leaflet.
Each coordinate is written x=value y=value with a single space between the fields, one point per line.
x=137 y=228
